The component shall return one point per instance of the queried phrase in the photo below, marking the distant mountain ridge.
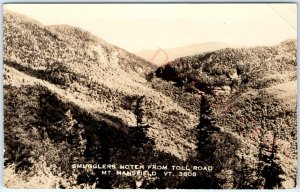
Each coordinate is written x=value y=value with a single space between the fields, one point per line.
x=174 y=53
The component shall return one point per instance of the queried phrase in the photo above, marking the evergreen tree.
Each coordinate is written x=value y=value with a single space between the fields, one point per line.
x=207 y=123
x=272 y=169
x=205 y=150
x=140 y=131
x=269 y=169
x=215 y=148
x=142 y=148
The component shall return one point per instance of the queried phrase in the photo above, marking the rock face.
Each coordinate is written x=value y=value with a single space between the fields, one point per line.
x=69 y=96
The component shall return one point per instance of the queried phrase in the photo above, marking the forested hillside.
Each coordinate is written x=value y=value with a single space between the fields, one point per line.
x=252 y=94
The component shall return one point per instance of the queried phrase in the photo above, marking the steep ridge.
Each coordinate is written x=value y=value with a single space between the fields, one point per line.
x=265 y=63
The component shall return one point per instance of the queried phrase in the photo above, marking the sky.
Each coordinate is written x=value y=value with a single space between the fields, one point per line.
x=137 y=27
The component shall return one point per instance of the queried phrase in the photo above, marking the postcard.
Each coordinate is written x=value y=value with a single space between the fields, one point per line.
x=150 y=96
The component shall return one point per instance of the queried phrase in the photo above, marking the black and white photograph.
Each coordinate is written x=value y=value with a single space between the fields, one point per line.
x=150 y=96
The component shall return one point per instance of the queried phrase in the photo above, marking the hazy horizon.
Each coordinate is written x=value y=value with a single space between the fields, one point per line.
x=139 y=27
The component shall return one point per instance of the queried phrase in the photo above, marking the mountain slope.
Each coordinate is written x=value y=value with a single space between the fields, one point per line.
x=95 y=72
